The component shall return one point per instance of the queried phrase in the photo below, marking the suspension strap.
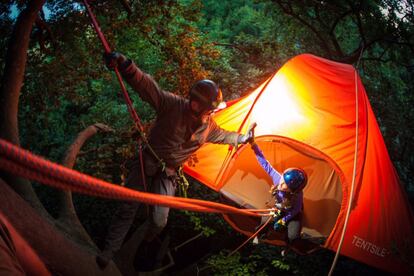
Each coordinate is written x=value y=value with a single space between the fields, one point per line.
x=131 y=110
x=252 y=236
x=182 y=182
x=144 y=178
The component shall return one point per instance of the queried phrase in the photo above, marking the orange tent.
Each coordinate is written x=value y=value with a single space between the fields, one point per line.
x=314 y=114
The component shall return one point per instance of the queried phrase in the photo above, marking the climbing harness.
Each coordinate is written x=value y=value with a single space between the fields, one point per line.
x=182 y=182
x=144 y=181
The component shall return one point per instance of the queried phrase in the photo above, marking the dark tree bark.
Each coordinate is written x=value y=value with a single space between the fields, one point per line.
x=68 y=220
x=15 y=65
x=61 y=256
x=11 y=83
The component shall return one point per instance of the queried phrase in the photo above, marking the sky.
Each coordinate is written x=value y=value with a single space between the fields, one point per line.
x=14 y=12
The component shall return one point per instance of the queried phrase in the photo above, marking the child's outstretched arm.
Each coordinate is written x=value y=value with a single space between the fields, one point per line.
x=274 y=174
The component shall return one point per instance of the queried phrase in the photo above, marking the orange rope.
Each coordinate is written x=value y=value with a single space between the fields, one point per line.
x=252 y=236
x=25 y=164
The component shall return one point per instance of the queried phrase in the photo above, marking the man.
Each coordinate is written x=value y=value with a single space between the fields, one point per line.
x=181 y=127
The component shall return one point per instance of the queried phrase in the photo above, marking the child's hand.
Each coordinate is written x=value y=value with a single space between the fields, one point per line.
x=272 y=189
x=277 y=215
x=279 y=225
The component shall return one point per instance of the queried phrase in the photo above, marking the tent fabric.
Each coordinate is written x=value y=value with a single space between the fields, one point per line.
x=306 y=115
x=248 y=185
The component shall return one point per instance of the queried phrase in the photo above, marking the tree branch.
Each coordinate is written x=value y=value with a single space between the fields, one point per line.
x=126 y=6
x=353 y=57
x=44 y=27
x=11 y=83
x=289 y=11
x=331 y=32
x=231 y=45
x=359 y=22
x=68 y=220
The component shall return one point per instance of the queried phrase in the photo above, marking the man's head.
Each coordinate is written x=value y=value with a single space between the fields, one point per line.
x=295 y=179
x=205 y=96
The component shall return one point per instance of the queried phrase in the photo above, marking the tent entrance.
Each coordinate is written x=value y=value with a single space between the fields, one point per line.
x=247 y=184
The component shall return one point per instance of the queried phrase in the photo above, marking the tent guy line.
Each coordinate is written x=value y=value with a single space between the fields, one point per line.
x=351 y=199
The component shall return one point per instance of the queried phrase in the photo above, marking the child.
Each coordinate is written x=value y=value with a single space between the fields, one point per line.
x=287 y=190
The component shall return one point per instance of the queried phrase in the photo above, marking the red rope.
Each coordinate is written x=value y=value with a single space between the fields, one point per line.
x=131 y=110
x=107 y=48
x=252 y=236
x=95 y=24
x=25 y=164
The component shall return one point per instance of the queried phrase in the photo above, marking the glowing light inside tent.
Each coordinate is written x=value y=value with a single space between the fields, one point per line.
x=287 y=109
x=283 y=111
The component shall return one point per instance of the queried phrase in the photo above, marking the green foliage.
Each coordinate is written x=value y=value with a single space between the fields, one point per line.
x=280 y=265
x=210 y=225
x=264 y=259
x=245 y=36
x=222 y=264
x=199 y=225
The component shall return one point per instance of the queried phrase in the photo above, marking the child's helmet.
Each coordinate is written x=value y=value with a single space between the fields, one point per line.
x=295 y=179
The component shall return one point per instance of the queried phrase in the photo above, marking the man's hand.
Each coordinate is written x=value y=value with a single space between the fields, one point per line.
x=248 y=137
x=243 y=139
x=279 y=225
x=114 y=59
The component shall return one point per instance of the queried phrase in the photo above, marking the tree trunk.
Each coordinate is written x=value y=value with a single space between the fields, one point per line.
x=11 y=83
x=68 y=220
x=61 y=256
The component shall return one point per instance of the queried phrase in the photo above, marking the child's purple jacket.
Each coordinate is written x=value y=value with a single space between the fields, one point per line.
x=296 y=204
